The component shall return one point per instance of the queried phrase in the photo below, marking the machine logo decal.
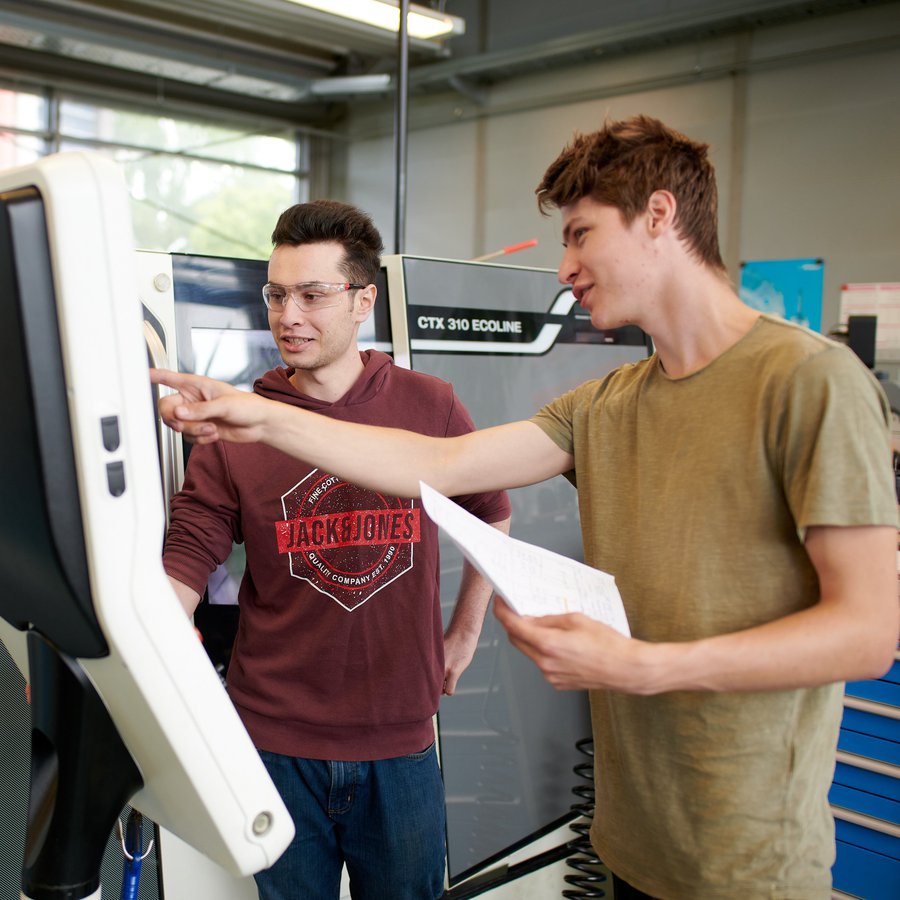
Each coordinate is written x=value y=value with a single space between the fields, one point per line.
x=511 y=332
x=346 y=541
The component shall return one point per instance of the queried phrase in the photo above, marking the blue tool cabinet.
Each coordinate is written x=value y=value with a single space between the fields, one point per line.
x=865 y=794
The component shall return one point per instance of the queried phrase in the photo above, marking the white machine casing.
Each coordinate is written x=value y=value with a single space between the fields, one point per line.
x=203 y=778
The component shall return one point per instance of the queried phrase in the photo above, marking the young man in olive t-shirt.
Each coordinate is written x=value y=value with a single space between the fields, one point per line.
x=737 y=484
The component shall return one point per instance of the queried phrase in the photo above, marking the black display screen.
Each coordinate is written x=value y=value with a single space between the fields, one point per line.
x=44 y=578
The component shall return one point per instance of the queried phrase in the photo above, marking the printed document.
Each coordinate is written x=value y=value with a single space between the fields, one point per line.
x=534 y=581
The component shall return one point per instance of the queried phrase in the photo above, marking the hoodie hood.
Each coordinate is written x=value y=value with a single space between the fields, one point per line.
x=275 y=384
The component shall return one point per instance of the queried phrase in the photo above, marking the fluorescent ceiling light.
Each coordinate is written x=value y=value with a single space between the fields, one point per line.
x=350 y=84
x=421 y=22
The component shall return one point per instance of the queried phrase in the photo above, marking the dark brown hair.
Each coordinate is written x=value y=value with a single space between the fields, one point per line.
x=324 y=221
x=624 y=162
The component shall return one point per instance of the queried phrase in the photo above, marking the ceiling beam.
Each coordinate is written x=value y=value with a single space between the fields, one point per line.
x=19 y=65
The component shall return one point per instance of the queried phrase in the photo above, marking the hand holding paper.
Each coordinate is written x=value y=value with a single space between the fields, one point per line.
x=533 y=581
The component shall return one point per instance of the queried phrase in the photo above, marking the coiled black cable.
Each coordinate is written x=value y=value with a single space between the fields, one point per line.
x=588 y=875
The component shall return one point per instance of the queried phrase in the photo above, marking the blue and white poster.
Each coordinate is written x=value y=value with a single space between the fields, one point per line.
x=790 y=288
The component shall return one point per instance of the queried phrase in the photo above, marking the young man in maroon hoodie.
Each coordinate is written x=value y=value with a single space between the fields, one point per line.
x=340 y=657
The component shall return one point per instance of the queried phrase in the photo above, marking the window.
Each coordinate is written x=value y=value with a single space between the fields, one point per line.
x=23 y=128
x=196 y=187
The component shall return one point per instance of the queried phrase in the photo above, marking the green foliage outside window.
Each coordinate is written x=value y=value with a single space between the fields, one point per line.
x=196 y=187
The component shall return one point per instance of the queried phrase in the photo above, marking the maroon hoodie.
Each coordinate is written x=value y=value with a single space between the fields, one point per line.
x=339 y=650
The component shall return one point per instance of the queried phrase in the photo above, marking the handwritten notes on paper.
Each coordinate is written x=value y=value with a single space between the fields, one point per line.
x=534 y=581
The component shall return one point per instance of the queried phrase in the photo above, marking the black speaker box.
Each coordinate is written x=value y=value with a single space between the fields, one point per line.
x=861 y=337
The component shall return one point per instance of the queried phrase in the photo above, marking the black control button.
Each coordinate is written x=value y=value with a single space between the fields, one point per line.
x=109 y=425
x=115 y=478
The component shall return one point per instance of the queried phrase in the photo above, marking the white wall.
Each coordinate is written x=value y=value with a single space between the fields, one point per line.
x=823 y=170
x=805 y=145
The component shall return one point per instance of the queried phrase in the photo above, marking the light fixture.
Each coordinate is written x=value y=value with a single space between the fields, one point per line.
x=350 y=84
x=421 y=22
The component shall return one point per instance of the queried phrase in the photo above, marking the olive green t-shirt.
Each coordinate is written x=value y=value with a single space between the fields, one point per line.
x=695 y=494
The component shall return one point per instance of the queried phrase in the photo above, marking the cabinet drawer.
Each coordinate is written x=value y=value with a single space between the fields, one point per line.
x=868 y=746
x=858 y=835
x=879 y=690
x=862 y=778
x=878 y=805
x=868 y=721
x=866 y=874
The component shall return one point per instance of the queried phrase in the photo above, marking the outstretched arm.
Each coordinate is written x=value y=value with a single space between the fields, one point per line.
x=851 y=633
x=461 y=637
x=387 y=459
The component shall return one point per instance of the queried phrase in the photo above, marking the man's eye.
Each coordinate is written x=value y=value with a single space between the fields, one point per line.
x=277 y=297
x=313 y=298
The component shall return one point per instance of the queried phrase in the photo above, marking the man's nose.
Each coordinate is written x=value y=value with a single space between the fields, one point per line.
x=291 y=312
x=568 y=268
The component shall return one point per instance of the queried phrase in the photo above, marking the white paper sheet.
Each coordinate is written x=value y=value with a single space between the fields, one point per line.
x=534 y=581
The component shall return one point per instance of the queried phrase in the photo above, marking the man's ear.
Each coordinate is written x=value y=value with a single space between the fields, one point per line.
x=661 y=210
x=365 y=301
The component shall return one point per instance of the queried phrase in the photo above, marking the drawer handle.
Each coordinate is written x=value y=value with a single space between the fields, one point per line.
x=872 y=706
x=870 y=765
x=873 y=824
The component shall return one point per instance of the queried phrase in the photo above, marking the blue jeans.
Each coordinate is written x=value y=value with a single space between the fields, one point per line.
x=384 y=819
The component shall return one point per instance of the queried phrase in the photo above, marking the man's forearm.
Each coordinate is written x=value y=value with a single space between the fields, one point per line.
x=849 y=634
x=813 y=647
x=461 y=637
x=187 y=596
x=474 y=596
x=385 y=459
x=395 y=461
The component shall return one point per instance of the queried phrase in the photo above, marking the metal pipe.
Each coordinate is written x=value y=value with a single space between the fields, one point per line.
x=401 y=130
